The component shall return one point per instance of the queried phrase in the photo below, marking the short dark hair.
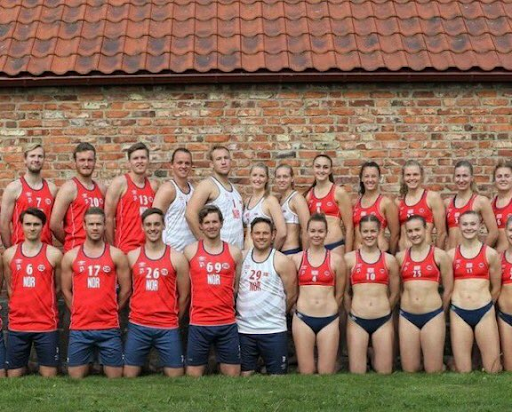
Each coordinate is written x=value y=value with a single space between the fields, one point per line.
x=152 y=211
x=370 y=219
x=182 y=150
x=94 y=211
x=217 y=147
x=262 y=220
x=135 y=147
x=206 y=210
x=83 y=147
x=317 y=217
x=34 y=211
x=417 y=217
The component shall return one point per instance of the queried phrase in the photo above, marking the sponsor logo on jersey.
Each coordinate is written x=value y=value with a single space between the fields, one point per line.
x=107 y=269
x=41 y=268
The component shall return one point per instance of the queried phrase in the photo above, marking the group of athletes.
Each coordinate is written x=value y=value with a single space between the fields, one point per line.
x=176 y=251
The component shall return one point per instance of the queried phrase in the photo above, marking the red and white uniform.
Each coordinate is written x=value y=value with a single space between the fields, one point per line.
x=212 y=280
x=364 y=272
x=29 y=197
x=94 y=303
x=420 y=208
x=501 y=213
x=453 y=213
x=32 y=305
x=322 y=275
x=427 y=269
x=470 y=268
x=506 y=270
x=326 y=205
x=154 y=302
x=129 y=234
x=74 y=219
x=360 y=211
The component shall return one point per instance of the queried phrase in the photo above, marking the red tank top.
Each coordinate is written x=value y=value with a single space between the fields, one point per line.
x=73 y=221
x=154 y=302
x=501 y=213
x=32 y=305
x=29 y=197
x=453 y=213
x=364 y=272
x=425 y=270
x=474 y=268
x=326 y=205
x=506 y=269
x=322 y=275
x=129 y=234
x=360 y=211
x=94 y=303
x=420 y=208
x=212 y=279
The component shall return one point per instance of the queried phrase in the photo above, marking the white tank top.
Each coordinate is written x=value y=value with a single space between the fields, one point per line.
x=177 y=233
x=289 y=216
x=261 y=301
x=230 y=204
x=256 y=211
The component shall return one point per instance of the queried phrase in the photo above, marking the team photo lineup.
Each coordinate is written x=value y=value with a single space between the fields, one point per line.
x=387 y=279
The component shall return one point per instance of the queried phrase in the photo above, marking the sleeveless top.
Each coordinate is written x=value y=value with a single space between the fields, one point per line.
x=427 y=269
x=290 y=217
x=470 y=268
x=364 y=272
x=453 y=213
x=261 y=300
x=73 y=221
x=30 y=197
x=360 y=211
x=33 y=304
x=154 y=302
x=420 y=208
x=230 y=204
x=177 y=233
x=212 y=280
x=322 y=275
x=506 y=269
x=501 y=213
x=252 y=213
x=326 y=205
x=129 y=234
x=94 y=303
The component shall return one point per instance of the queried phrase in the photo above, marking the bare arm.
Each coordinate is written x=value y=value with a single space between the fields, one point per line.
x=288 y=274
x=165 y=196
x=446 y=267
x=55 y=258
x=238 y=258
x=201 y=196
x=345 y=206
x=494 y=273
x=65 y=196
x=114 y=193
x=349 y=264
x=66 y=277
x=391 y=213
x=155 y=185
x=183 y=280
x=438 y=210
x=275 y=212
x=1 y=274
x=11 y=192
x=489 y=220
x=124 y=278
x=394 y=280
x=341 y=277
x=300 y=207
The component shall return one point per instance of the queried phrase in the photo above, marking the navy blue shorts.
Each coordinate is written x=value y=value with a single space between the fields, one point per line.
x=140 y=339
x=83 y=342
x=2 y=350
x=226 y=341
x=19 y=345
x=272 y=347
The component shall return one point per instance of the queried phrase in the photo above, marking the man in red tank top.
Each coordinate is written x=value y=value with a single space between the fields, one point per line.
x=161 y=291
x=127 y=198
x=75 y=197
x=31 y=190
x=32 y=272
x=90 y=275
x=214 y=273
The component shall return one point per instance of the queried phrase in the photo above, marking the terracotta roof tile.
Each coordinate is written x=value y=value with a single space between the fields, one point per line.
x=129 y=36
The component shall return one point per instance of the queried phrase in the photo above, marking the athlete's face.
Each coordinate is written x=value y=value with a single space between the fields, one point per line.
x=262 y=236
x=462 y=178
x=508 y=231
x=32 y=227
x=369 y=233
x=415 y=231
x=469 y=226
x=258 y=178
x=153 y=226
x=412 y=177
x=370 y=178
x=503 y=179
x=322 y=168
x=317 y=232
x=211 y=226
x=94 y=226
x=182 y=165
x=221 y=162
x=284 y=179
x=139 y=161
x=34 y=160
x=85 y=163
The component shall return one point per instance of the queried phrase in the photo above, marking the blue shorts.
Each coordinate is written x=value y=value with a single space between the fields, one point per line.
x=140 y=339
x=19 y=345
x=226 y=341
x=2 y=350
x=83 y=342
x=272 y=347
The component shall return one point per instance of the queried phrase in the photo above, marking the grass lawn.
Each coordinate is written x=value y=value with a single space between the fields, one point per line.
x=342 y=392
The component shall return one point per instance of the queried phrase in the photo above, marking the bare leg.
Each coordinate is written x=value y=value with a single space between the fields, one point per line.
x=113 y=372
x=327 y=341
x=16 y=373
x=196 y=371
x=410 y=345
x=506 y=343
x=433 y=337
x=78 y=372
x=462 y=343
x=488 y=341
x=304 y=340
x=130 y=371
x=230 y=370
x=357 y=342
x=382 y=343
x=48 y=371
x=173 y=372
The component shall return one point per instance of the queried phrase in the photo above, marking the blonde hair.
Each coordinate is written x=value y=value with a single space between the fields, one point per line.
x=469 y=166
x=31 y=146
x=403 y=185
x=263 y=166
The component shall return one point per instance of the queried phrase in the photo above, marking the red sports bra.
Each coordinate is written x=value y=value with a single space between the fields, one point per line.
x=425 y=270
x=360 y=211
x=506 y=269
x=326 y=205
x=364 y=272
x=501 y=213
x=470 y=268
x=421 y=208
x=453 y=213
x=321 y=275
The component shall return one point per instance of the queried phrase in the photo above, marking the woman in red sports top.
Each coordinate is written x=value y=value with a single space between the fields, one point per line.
x=416 y=200
x=505 y=299
x=502 y=203
x=422 y=327
x=321 y=278
x=375 y=286
x=372 y=202
x=467 y=199
x=477 y=274
x=324 y=196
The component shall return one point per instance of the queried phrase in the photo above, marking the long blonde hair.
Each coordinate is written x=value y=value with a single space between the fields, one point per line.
x=263 y=166
x=403 y=185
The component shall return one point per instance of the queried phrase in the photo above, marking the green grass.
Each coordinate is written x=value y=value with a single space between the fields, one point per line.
x=342 y=392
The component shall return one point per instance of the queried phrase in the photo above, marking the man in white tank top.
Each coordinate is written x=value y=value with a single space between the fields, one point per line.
x=267 y=291
x=219 y=191
x=172 y=199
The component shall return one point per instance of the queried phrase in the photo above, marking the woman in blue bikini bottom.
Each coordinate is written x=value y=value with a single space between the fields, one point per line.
x=505 y=300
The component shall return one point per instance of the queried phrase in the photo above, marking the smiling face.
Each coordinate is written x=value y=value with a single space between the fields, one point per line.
x=463 y=178
x=508 y=232
x=153 y=227
x=370 y=177
x=416 y=231
x=262 y=236
x=317 y=232
x=182 y=165
x=211 y=225
x=369 y=233
x=322 y=168
x=34 y=160
x=139 y=161
x=258 y=178
x=469 y=225
x=284 y=179
x=412 y=177
x=503 y=179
